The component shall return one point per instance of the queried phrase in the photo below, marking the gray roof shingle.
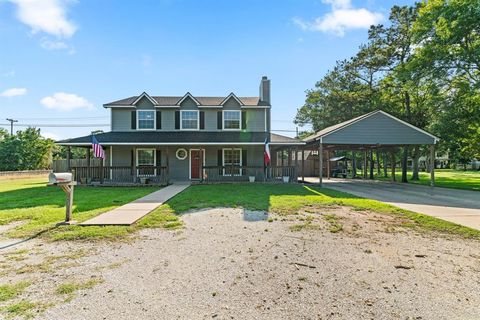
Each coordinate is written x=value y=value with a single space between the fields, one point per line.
x=181 y=137
x=172 y=100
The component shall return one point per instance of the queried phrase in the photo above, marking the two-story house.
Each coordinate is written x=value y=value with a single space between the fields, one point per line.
x=188 y=137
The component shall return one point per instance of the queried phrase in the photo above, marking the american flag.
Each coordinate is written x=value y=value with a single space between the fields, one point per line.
x=97 y=148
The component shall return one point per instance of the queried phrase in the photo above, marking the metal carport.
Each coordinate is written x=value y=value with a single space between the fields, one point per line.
x=374 y=130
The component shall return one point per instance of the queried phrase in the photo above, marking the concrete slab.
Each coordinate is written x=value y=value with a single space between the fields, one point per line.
x=458 y=206
x=137 y=209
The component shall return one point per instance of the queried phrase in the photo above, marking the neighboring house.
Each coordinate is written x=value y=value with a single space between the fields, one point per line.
x=187 y=137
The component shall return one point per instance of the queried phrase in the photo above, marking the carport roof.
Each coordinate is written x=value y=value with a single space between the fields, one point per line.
x=374 y=128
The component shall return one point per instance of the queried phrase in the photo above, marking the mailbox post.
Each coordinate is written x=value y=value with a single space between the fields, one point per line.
x=64 y=181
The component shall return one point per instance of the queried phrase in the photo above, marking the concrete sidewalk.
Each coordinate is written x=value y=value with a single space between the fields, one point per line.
x=457 y=206
x=135 y=210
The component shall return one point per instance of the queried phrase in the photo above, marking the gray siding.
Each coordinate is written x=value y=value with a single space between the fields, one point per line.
x=179 y=169
x=378 y=129
x=231 y=104
x=121 y=119
x=144 y=104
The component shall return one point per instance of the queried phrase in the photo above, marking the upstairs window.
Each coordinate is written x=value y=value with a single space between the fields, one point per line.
x=189 y=120
x=146 y=120
x=231 y=120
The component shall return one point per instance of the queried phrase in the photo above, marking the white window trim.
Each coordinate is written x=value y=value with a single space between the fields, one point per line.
x=154 y=161
x=223 y=120
x=190 y=162
x=154 y=121
x=181 y=120
x=223 y=161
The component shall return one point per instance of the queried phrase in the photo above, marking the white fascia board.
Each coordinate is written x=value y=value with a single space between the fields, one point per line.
x=146 y=95
x=120 y=106
x=161 y=143
x=160 y=107
x=232 y=95
x=188 y=94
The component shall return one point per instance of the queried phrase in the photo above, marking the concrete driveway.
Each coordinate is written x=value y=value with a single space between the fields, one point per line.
x=458 y=206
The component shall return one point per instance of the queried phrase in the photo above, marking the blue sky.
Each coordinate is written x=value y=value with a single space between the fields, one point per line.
x=62 y=59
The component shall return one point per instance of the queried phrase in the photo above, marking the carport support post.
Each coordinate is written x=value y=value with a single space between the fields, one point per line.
x=303 y=165
x=320 y=158
x=365 y=164
x=295 y=152
x=432 y=165
x=328 y=164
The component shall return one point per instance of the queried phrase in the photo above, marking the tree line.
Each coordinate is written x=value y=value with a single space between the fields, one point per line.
x=423 y=67
x=28 y=150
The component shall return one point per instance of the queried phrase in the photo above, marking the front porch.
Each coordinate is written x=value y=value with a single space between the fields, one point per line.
x=161 y=165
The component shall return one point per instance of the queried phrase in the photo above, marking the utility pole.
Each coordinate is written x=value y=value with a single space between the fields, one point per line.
x=11 y=125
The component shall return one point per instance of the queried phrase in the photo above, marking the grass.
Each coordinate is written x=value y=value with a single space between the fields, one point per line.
x=289 y=199
x=25 y=309
x=446 y=178
x=40 y=208
x=70 y=287
x=10 y=291
x=335 y=225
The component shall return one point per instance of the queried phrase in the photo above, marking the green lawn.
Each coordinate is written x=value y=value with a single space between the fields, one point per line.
x=447 y=178
x=42 y=207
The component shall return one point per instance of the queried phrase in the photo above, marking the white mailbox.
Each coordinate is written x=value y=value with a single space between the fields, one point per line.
x=59 y=178
x=64 y=181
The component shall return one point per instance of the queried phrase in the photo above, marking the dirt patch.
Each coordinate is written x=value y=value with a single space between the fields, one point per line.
x=231 y=263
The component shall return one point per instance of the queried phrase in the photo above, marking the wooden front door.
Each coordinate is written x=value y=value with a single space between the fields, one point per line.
x=196 y=159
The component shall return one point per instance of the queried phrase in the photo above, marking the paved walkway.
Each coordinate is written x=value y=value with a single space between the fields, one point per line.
x=133 y=211
x=458 y=206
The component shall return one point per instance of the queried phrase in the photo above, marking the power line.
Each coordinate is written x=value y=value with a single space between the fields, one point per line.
x=67 y=125
x=72 y=118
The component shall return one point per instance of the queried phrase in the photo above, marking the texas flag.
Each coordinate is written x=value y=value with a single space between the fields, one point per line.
x=266 y=153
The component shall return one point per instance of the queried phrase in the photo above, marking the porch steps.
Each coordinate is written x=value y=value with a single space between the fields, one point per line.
x=131 y=212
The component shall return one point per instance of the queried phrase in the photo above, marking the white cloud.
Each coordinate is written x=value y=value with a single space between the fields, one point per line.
x=13 y=92
x=47 y=16
x=56 y=45
x=343 y=17
x=62 y=101
x=50 y=135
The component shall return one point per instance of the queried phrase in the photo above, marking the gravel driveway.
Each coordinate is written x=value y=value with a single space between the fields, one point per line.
x=231 y=264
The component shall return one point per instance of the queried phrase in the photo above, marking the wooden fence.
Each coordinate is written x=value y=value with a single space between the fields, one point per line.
x=61 y=165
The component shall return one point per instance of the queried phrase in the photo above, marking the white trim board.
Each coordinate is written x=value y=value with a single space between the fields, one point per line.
x=188 y=95
x=146 y=95
x=232 y=95
x=154 y=121
x=368 y=115
x=239 y=122
x=181 y=120
x=179 y=143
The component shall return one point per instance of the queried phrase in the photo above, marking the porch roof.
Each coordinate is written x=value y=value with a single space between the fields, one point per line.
x=181 y=138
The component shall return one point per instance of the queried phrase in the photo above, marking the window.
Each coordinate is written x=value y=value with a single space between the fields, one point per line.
x=146 y=120
x=146 y=162
x=232 y=160
x=231 y=120
x=189 y=120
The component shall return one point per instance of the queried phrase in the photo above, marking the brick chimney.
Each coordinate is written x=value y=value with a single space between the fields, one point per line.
x=265 y=90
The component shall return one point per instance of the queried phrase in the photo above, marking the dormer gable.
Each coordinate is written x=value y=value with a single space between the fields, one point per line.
x=231 y=96
x=186 y=96
x=146 y=96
